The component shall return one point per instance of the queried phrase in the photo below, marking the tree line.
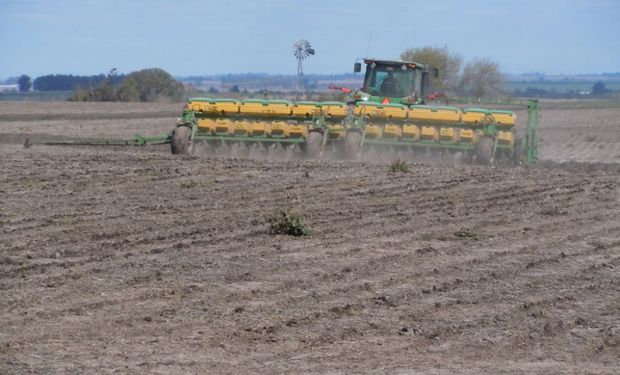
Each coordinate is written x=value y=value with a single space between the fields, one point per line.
x=68 y=82
x=59 y=82
x=141 y=86
x=598 y=90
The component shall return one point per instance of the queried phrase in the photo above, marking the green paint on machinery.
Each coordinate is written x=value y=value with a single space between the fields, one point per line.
x=137 y=140
x=388 y=112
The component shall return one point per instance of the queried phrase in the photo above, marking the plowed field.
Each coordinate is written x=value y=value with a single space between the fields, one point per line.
x=132 y=260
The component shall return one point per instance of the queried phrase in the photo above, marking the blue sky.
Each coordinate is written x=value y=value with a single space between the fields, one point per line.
x=190 y=37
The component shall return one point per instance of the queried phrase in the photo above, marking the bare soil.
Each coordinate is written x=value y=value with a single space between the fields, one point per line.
x=132 y=260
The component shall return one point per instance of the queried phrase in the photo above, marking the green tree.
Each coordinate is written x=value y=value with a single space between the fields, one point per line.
x=150 y=85
x=448 y=64
x=24 y=83
x=481 y=78
x=129 y=91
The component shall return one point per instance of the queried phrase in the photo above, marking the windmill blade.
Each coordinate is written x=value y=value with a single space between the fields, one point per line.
x=302 y=49
x=298 y=48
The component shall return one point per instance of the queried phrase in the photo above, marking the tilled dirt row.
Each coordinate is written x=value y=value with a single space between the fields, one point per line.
x=581 y=135
x=142 y=262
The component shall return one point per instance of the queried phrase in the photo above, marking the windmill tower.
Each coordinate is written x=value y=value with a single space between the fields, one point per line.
x=301 y=50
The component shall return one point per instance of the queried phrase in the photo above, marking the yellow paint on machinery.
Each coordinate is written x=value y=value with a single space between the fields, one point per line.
x=475 y=116
x=392 y=131
x=467 y=135
x=374 y=110
x=280 y=118
x=505 y=137
x=336 y=131
x=426 y=114
x=334 y=109
x=260 y=129
x=448 y=134
x=221 y=107
x=224 y=126
x=297 y=131
x=206 y=125
x=411 y=132
x=505 y=118
x=306 y=109
x=373 y=131
x=265 y=108
x=429 y=133
x=279 y=129
x=243 y=128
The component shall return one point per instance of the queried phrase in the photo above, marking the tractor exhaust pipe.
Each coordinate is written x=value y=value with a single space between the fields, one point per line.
x=424 y=92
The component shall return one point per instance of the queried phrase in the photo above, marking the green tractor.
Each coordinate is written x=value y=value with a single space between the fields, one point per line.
x=387 y=113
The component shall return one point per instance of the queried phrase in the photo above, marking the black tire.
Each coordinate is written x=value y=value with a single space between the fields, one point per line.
x=181 y=143
x=313 y=145
x=484 y=150
x=352 y=145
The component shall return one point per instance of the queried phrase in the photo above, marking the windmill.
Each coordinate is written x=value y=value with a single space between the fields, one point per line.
x=301 y=50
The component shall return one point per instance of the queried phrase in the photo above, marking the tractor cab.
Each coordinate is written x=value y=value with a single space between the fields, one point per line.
x=401 y=82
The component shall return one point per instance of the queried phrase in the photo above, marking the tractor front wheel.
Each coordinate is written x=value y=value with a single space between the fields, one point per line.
x=181 y=144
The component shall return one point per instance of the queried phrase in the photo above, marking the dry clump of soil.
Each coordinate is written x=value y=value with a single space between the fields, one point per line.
x=137 y=261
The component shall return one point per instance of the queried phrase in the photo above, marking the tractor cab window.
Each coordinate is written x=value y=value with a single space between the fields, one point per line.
x=389 y=81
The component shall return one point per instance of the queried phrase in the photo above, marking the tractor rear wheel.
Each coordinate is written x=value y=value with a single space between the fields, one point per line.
x=313 y=145
x=352 y=145
x=484 y=150
x=181 y=144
